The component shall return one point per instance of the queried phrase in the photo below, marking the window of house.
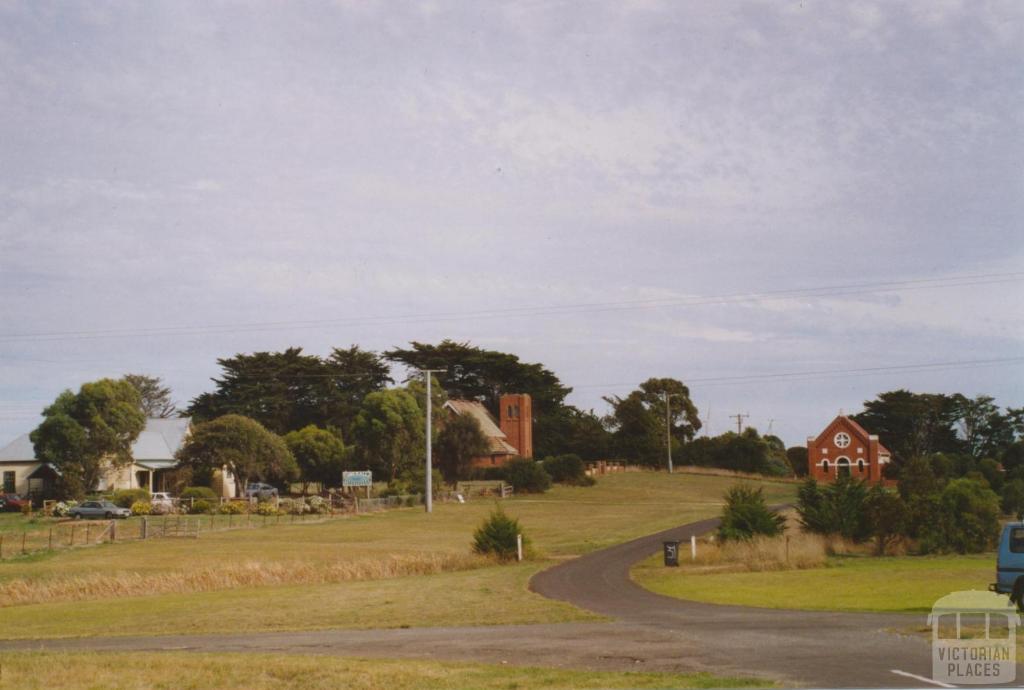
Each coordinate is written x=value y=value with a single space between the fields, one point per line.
x=8 y=482
x=824 y=466
x=860 y=465
x=513 y=411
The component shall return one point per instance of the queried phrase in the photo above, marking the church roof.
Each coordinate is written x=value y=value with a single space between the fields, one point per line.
x=496 y=437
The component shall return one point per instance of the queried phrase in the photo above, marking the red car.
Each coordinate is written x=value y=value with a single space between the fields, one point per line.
x=13 y=503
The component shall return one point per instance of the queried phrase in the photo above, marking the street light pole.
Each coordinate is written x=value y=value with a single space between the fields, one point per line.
x=668 y=426
x=428 y=497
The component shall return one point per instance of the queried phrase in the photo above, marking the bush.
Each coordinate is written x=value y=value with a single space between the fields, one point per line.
x=526 y=476
x=200 y=506
x=318 y=505
x=567 y=469
x=61 y=508
x=497 y=536
x=232 y=508
x=141 y=508
x=1012 y=501
x=837 y=508
x=970 y=518
x=266 y=508
x=161 y=509
x=126 y=498
x=203 y=492
x=746 y=514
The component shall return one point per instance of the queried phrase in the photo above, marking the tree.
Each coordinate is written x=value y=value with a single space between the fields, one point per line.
x=746 y=452
x=85 y=433
x=459 y=441
x=983 y=429
x=320 y=454
x=389 y=432
x=155 y=397
x=638 y=420
x=911 y=424
x=286 y=391
x=570 y=430
x=797 y=459
x=1012 y=498
x=886 y=518
x=969 y=517
x=746 y=515
x=244 y=446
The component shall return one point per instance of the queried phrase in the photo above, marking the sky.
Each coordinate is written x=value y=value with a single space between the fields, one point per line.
x=790 y=206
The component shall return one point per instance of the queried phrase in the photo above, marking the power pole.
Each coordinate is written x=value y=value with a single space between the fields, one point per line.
x=428 y=497
x=668 y=426
x=739 y=421
x=770 y=422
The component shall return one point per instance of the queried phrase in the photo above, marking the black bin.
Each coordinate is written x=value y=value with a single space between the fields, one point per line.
x=671 y=553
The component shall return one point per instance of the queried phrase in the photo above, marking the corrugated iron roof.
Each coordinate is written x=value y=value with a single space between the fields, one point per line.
x=159 y=440
x=498 y=439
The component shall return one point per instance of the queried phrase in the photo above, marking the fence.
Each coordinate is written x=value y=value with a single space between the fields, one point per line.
x=76 y=534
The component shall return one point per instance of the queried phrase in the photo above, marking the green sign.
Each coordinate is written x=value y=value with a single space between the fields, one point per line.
x=357 y=478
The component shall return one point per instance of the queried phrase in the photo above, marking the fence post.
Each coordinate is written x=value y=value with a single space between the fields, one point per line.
x=693 y=547
x=231 y=520
x=113 y=531
x=144 y=528
x=1 y=547
x=519 y=547
x=88 y=533
x=71 y=540
x=49 y=541
x=23 y=535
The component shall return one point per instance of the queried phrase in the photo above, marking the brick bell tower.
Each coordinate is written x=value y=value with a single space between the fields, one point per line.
x=516 y=422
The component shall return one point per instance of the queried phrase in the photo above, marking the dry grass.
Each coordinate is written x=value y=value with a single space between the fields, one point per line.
x=797 y=551
x=718 y=472
x=249 y=574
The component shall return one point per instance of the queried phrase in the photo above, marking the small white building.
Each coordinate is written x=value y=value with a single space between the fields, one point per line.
x=153 y=456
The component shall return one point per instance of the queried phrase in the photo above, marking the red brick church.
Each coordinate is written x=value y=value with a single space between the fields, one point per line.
x=846 y=448
x=510 y=436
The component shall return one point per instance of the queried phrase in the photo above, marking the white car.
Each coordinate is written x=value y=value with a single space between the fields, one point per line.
x=161 y=498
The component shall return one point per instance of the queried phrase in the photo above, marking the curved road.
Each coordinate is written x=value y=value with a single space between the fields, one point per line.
x=649 y=632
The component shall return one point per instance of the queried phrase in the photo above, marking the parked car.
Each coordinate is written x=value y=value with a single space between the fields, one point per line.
x=98 y=509
x=13 y=503
x=161 y=498
x=1010 y=564
x=259 y=490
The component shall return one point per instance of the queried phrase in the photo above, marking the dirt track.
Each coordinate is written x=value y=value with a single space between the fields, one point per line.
x=649 y=632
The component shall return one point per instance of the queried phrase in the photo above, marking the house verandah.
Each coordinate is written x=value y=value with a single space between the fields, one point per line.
x=153 y=460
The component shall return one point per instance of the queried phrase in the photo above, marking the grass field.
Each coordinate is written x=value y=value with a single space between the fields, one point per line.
x=563 y=522
x=188 y=671
x=848 y=583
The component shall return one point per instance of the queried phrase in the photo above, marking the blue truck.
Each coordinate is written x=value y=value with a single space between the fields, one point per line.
x=1010 y=564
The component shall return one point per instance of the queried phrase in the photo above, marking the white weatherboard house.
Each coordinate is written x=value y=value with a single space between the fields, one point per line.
x=152 y=453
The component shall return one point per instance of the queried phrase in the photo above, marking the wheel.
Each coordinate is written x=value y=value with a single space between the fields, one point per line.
x=1017 y=596
x=107 y=515
x=77 y=516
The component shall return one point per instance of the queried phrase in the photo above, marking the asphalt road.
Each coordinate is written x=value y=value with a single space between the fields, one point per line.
x=648 y=632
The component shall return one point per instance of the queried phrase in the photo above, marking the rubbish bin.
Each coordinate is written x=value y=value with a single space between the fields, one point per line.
x=671 y=553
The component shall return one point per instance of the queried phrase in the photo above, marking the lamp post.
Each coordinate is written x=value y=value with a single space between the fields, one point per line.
x=668 y=426
x=428 y=496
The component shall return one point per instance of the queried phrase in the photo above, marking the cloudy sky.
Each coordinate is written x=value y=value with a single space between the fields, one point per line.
x=618 y=190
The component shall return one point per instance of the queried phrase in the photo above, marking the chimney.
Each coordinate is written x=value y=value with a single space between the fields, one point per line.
x=516 y=422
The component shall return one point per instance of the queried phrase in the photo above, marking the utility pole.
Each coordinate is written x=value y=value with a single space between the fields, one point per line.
x=668 y=426
x=428 y=497
x=770 y=422
x=739 y=421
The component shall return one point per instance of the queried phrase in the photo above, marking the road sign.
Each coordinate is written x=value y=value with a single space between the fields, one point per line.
x=357 y=478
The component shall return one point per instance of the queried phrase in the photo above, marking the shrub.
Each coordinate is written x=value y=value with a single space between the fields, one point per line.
x=1012 y=501
x=61 y=508
x=161 y=509
x=231 y=508
x=838 y=508
x=970 y=517
x=497 y=536
x=126 y=498
x=566 y=469
x=200 y=506
x=141 y=508
x=746 y=514
x=203 y=492
x=266 y=508
x=526 y=476
x=318 y=505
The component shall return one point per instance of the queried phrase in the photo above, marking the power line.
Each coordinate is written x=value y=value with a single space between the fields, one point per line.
x=541 y=310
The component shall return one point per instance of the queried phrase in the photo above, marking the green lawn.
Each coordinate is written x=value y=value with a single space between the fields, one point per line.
x=190 y=671
x=849 y=583
x=563 y=522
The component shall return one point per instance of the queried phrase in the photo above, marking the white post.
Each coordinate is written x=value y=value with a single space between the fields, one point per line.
x=519 y=547
x=693 y=547
x=428 y=498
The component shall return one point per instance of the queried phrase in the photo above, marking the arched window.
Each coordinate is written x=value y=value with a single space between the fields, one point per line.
x=843 y=467
x=860 y=466
x=824 y=466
